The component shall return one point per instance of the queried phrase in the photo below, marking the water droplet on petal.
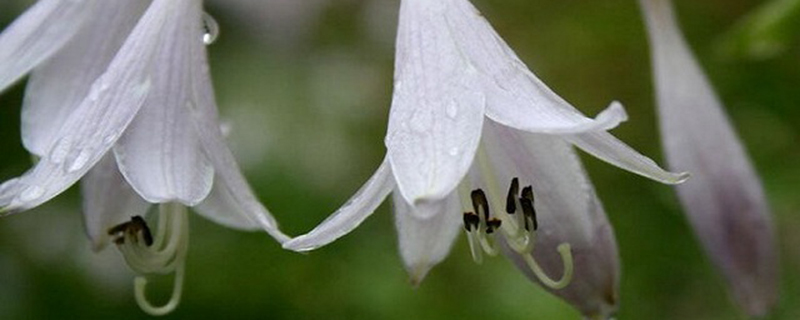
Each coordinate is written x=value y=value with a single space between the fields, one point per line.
x=80 y=161
x=453 y=151
x=210 y=29
x=104 y=85
x=60 y=151
x=31 y=193
x=452 y=109
x=94 y=94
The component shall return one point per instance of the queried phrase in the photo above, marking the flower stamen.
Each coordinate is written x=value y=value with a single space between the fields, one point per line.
x=164 y=254
x=517 y=230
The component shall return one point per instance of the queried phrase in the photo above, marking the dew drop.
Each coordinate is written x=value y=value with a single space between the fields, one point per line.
x=94 y=94
x=210 y=29
x=31 y=193
x=453 y=151
x=80 y=161
x=60 y=151
x=452 y=109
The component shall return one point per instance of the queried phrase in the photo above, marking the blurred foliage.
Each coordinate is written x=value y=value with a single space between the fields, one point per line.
x=308 y=115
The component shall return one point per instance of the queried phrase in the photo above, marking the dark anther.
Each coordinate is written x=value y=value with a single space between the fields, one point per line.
x=492 y=225
x=146 y=234
x=511 y=199
x=479 y=201
x=527 y=193
x=528 y=209
x=471 y=221
x=136 y=225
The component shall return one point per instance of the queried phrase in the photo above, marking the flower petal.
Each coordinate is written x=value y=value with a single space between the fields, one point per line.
x=108 y=200
x=424 y=243
x=49 y=98
x=568 y=211
x=93 y=128
x=437 y=107
x=350 y=215
x=231 y=202
x=514 y=95
x=160 y=154
x=724 y=200
x=608 y=148
x=37 y=34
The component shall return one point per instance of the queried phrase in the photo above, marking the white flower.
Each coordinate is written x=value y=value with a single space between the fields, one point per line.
x=127 y=102
x=724 y=200
x=467 y=118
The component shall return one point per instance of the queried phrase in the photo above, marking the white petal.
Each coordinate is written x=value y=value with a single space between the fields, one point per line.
x=425 y=243
x=231 y=202
x=350 y=215
x=108 y=201
x=37 y=34
x=58 y=85
x=568 y=211
x=94 y=127
x=437 y=108
x=160 y=154
x=514 y=95
x=608 y=148
x=724 y=199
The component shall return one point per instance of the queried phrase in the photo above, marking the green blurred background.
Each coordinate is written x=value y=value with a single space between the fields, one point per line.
x=305 y=87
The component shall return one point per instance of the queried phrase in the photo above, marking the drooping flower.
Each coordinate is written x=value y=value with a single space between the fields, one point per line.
x=724 y=200
x=476 y=140
x=128 y=105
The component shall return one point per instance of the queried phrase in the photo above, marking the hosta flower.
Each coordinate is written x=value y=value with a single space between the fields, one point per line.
x=127 y=103
x=724 y=200
x=476 y=141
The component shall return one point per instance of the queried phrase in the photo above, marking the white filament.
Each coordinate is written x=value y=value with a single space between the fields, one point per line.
x=167 y=254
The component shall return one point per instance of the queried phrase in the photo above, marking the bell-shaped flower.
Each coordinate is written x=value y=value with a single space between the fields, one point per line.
x=724 y=199
x=476 y=140
x=127 y=103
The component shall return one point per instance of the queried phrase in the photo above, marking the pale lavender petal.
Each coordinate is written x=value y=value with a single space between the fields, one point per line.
x=58 y=86
x=231 y=202
x=514 y=95
x=724 y=199
x=437 y=108
x=93 y=128
x=608 y=148
x=40 y=32
x=423 y=242
x=160 y=154
x=350 y=215
x=568 y=211
x=108 y=201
